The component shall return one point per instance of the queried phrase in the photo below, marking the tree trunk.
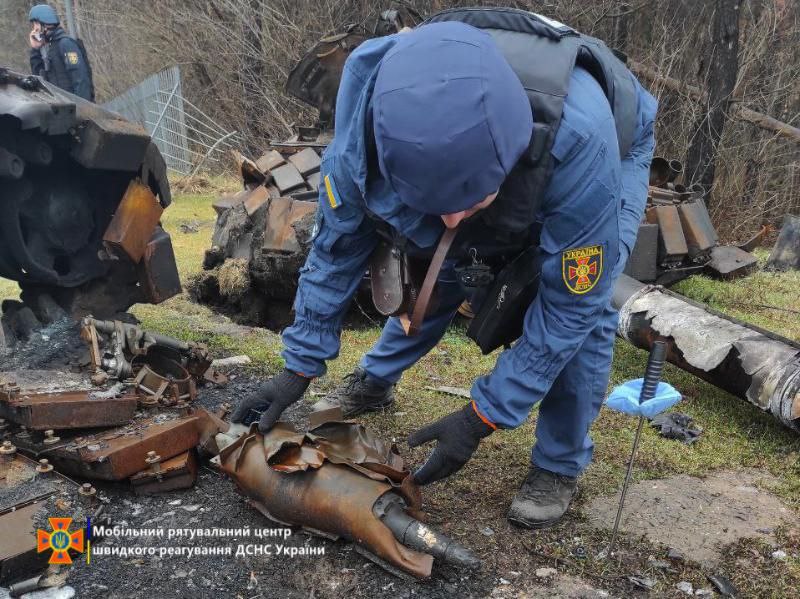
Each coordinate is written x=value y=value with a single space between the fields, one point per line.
x=722 y=71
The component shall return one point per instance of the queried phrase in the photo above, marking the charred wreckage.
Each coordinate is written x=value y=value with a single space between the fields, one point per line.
x=85 y=191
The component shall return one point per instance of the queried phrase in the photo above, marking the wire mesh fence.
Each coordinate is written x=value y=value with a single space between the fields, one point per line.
x=187 y=137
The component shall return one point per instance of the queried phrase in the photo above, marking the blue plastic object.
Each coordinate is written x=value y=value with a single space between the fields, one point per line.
x=625 y=399
x=44 y=13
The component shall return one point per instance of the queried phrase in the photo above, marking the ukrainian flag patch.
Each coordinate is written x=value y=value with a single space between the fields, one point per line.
x=333 y=194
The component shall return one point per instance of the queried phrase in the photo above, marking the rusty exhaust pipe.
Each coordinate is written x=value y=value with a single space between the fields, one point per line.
x=749 y=362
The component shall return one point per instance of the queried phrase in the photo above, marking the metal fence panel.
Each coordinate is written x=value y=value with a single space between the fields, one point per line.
x=185 y=135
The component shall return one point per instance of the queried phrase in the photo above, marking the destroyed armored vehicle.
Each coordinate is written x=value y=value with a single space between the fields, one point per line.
x=82 y=191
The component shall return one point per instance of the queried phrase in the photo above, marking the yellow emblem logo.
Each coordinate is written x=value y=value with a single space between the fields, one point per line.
x=72 y=58
x=581 y=268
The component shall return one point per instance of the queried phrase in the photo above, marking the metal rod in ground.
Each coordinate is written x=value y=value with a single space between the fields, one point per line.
x=652 y=376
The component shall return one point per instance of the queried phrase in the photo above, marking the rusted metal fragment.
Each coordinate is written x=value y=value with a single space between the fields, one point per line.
x=339 y=480
x=65 y=410
x=175 y=473
x=307 y=161
x=120 y=453
x=335 y=500
x=255 y=199
x=162 y=380
x=756 y=365
x=756 y=240
x=224 y=203
x=786 y=253
x=287 y=178
x=158 y=271
x=251 y=174
x=280 y=235
x=26 y=491
x=270 y=161
x=18 y=555
x=697 y=228
x=729 y=262
x=134 y=221
x=672 y=242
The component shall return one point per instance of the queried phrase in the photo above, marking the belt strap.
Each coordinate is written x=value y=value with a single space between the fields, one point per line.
x=413 y=326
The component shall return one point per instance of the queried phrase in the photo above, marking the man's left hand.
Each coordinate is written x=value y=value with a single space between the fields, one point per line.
x=458 y=435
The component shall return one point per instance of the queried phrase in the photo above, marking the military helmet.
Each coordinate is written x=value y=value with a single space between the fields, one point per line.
x=44 y=13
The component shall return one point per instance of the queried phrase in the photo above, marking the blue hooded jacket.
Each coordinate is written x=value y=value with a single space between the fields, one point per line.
x=592 y=208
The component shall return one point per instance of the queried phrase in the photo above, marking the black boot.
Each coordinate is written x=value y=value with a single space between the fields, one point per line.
x=360 y=394
x=542 y=499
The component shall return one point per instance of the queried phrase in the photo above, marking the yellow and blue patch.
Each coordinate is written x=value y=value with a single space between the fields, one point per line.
x=72 y=58
x=581 y=268
x=333 y=194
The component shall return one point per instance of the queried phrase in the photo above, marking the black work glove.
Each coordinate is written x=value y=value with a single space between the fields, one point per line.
x=458 y=435
x=271 y=399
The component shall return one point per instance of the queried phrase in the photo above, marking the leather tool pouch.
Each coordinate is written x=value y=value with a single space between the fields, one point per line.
x=500 y=319
x=395 y=279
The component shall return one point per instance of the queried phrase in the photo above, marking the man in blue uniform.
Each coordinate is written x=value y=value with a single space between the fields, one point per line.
x=56 y=57
x=430 y=124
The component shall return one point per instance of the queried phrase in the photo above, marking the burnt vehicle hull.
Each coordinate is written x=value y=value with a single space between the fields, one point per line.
x=65 y=166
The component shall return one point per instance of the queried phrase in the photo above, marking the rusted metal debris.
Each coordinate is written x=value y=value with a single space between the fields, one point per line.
x=71 y=175
x=340 y=481
x=677 y=238
x=756 y=365
x=26 y=488
x=119 y=453
x=173 y=474
x=164 y=370
x=64 y=410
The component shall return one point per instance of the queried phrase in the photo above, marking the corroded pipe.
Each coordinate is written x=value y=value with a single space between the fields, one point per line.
x=756 y=365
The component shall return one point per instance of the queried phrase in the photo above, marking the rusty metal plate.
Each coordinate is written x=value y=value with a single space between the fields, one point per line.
x=642 y=264
x=134 y=221
x=175 y=473
x=696 y=223
x=158 y=270
x=255 y=199
x=269 y=161
x=279 y=235
x=307 y=161
x=120 y=453
x=67 y=410
x=729 y=262
x=672 y=243
x=18 y=556
x=288 y=178
x=226 y=202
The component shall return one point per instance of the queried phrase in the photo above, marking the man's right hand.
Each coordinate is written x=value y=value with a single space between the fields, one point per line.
x=35 y=43
x=271 y=399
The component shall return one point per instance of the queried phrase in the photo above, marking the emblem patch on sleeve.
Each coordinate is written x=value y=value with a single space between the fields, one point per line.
x=581 y=268
x=72 y=58
x=333 y=194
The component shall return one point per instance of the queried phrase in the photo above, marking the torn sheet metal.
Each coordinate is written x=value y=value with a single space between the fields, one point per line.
x=164 y=476
x=729 y=262
x=134 y=221
x=65 y=409
x=328 y=481
x=162 y=380
x=756 y=365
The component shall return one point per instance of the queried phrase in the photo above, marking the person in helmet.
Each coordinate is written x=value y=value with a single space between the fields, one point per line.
x=429 y=126
x=56 y=57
